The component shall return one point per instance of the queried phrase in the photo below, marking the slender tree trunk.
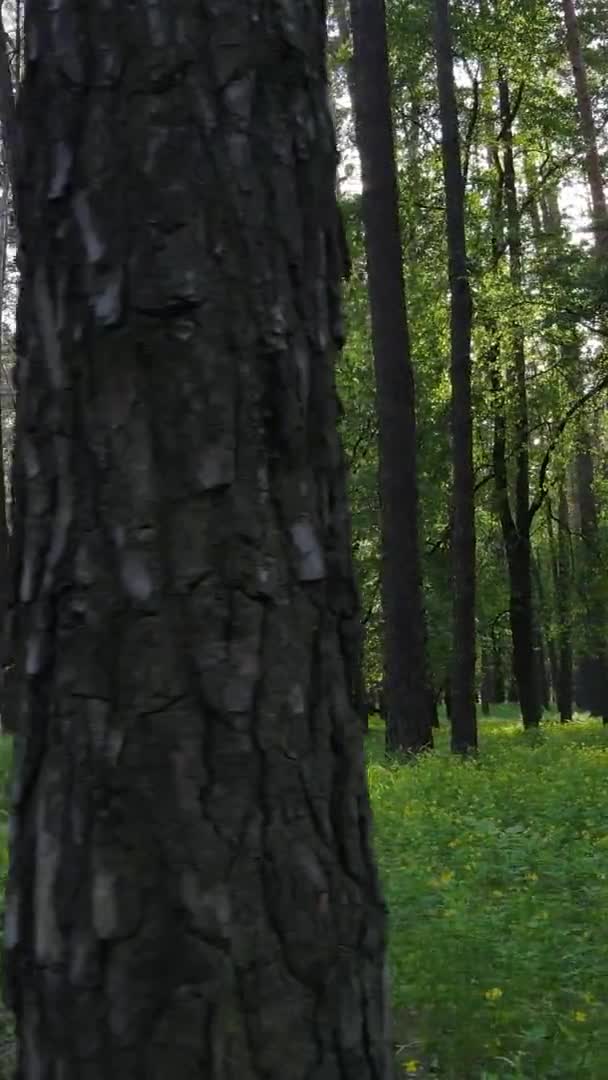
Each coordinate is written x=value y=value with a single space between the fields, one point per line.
x=340 y=11
x=10 y=141
x=513 y=691
x=583 y=98
x=540 y=638
x=516 y=526
x=464 y=720
x=409 y=715
x=562 y=571
x=4 y=533
x=447 y=697
x=8 y=115
x=593 y=659
x=192 y=890
x=554 y=668
x=434 y=709
x=594 y=664
x=486 y=678
x=550 y=610
x=498 y=693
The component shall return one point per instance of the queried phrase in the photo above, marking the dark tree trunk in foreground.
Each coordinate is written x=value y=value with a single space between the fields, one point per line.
x=408 y=705
x=192 y=890
x=516 y=525
x=464 y=720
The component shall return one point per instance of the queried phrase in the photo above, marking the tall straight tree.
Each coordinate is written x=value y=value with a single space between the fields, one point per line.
x=464 y=722
x=516 y=524
x=593 y=664
x=409 y=713
x=192 y=890
x=562 y=586
x=593 y=167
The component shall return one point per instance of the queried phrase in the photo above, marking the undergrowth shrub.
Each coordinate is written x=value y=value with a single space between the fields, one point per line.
x=496 y=875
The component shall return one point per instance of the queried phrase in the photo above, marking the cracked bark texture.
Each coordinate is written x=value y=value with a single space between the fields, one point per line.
x=192 y=890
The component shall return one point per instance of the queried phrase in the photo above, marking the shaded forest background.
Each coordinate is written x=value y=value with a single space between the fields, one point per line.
x=537 y=271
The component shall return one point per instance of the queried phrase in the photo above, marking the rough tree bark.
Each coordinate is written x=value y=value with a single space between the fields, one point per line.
x=516 y=525
x=192 y=891
x=408 y=703
x=464 y=719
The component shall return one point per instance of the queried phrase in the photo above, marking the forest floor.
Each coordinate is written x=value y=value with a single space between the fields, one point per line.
x=496 y=875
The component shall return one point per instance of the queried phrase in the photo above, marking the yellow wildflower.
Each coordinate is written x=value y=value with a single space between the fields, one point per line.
x=443 y=879
x=494 y=994
x=532 y=876
x=580 y=1016
x=411 y=1067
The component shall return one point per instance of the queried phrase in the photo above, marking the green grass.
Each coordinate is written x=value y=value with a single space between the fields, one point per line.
x=496 y=875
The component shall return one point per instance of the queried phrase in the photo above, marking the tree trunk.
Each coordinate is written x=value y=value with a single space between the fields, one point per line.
x=593 y=661
x=593 y=665
x=486 y=678
x=4 y=533
x=516 y=526
x=542 y=672
x=464 y=720
x=447 y=697
x=583 y=98
x=192 y=890
x=341 y=13
x=498 y=693
x=8 y=115
x=409 y=715
x=564 y=610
